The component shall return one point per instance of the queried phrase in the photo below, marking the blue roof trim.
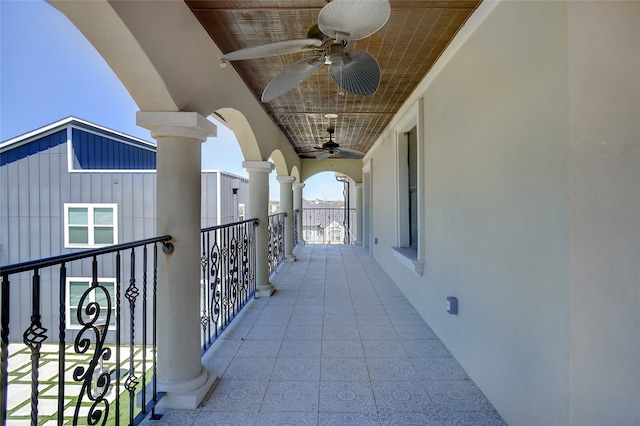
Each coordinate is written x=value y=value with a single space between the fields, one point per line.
x=33 y=147
x=112 y=134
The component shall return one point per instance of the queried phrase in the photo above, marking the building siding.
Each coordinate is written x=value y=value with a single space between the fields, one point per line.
x=97 y=152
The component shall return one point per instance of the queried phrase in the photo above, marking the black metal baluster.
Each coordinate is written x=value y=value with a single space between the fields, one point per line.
x=204 y=317
x=118 y=333
x=131 y=294
x=245 y=263
x=61 y=344
x=208 y=294
x=215 y=301
x=4 y=348
x=254 y=250
x=144 y=329
x=233 y=271
x=154 y=416
x=33 y=337
x=281 y=238
x=225 y=276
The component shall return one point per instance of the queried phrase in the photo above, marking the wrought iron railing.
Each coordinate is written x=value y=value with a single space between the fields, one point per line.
x=295 y=220
x=228 y=275
x=276 y=240
x=328 y=225
x=112 y=316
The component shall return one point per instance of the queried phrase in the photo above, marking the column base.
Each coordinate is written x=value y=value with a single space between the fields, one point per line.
x=187 y=395
x=264 y=290
x=290 y=258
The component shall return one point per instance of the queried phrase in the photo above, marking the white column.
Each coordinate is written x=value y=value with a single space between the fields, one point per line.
x=286 y=206
x=179 y=137
x=259 y=208
x=297 y=205
x=359 y=215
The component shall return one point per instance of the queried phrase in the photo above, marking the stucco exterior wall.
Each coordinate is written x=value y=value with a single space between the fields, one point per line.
x=511 y=226
x=604 y=84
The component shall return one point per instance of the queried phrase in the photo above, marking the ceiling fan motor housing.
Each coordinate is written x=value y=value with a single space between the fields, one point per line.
x=335 y=53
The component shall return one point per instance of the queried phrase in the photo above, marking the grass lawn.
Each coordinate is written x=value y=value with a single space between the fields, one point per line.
x=19 y=392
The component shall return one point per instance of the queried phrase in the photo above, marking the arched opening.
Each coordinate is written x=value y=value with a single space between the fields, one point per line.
x=328 y=209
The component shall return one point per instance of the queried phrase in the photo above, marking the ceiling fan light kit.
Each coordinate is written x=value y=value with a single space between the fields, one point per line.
x=339 y=23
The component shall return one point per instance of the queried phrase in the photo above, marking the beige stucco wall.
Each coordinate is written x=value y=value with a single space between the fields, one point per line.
x=512 y=227
x=604 y=84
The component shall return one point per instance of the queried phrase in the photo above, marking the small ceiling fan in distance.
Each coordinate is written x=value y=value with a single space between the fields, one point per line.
x=340 y=22
x=330 y=148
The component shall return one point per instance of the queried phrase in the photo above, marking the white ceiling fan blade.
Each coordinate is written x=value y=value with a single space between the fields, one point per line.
x=353 y=19
x=358 y=73
x=349 y=153
x=273 y=49
x=323 y=155
x=291 y=77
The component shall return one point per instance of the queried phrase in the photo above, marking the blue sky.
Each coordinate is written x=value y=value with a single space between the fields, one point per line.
x=49 y=71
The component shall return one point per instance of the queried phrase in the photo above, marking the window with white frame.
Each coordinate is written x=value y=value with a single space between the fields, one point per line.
x=76 y=288
x=90 y=225
x=412 y=187
x=240 y=212
x=410 y=236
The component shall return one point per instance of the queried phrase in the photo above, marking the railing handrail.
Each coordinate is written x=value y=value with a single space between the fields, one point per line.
x=69 y=257
x=226 y=225
x=328 y=208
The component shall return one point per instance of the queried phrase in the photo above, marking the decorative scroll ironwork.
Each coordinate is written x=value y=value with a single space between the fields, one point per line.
x=228 y=275
x=327 y=225
x=93 y=343
x=95 y=382
x=215 y=290
x=33 y=337
x=276 y=241
x=132 y=294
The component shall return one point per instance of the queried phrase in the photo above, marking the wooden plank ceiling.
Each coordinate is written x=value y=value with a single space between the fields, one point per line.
x=406 y=48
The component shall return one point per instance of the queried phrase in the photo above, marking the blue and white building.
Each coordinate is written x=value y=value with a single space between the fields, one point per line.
x=75 y=185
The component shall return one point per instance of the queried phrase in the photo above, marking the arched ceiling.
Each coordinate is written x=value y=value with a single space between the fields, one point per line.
x=406 y=48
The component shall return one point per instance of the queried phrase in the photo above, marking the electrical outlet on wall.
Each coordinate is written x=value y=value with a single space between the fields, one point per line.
x=452 y=305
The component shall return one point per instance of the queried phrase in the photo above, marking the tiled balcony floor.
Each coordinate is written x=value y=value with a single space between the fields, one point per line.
x=337 y=344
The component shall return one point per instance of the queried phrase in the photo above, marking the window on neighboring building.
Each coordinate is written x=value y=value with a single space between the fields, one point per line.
x=240 y=212
x=335 y=234
x=76 y=287
x=90 y=225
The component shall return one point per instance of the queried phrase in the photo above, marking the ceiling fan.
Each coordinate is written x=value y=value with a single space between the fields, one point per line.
x=339 y=23
x=331 y=148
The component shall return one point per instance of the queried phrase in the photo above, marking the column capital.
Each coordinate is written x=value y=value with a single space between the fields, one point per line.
x=179 y=124
x=298 y=185
x=258 y=166
x=358 y=185
x=285 y=179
